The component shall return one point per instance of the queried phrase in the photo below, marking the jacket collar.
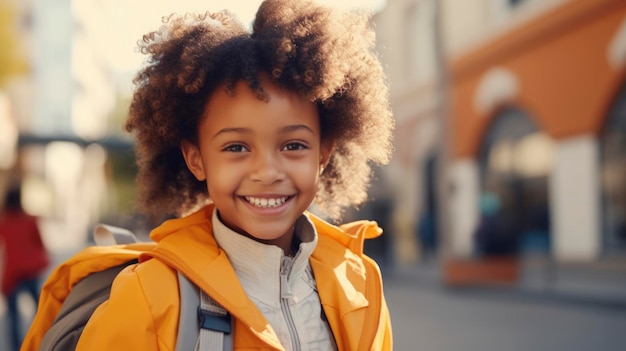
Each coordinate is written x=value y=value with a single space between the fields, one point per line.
x=341 y=277
x=187 y=244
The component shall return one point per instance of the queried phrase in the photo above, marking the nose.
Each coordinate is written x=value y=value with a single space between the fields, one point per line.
x=267 y=168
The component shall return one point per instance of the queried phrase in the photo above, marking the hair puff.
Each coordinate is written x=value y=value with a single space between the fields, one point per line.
x=321 y=53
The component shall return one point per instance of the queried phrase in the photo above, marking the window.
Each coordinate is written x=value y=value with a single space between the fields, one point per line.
x=613 y=176
x=420 y=41
x=514 y=161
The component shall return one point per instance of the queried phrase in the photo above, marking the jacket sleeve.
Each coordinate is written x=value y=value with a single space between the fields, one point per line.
x=141 y=314
x=384 y=339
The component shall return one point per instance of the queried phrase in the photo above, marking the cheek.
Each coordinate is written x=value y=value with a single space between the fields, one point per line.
x=220 y=179
x=308 y=175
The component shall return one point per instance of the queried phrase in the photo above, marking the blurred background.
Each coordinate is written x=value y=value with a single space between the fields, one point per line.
x=508 y=177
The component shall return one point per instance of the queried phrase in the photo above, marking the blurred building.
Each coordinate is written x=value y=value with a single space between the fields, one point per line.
x=519 y=100
x=61 y=110
x=524 y=101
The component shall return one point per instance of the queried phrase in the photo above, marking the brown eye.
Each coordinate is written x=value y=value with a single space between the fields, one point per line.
x=295 y=146
x=235 y=148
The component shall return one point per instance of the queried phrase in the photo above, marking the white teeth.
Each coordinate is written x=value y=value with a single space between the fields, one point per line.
x=265 y=202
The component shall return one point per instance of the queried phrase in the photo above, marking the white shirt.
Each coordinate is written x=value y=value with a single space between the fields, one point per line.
x=282 y=288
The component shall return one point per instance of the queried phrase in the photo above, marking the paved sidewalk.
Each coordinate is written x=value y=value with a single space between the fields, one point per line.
x=428 y=316
x=601 y=283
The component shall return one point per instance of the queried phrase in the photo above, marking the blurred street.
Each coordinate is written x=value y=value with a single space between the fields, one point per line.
x=428 y=316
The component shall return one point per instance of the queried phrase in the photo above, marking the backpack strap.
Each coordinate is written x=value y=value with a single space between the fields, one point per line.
x=214 y=325
x=202 y=328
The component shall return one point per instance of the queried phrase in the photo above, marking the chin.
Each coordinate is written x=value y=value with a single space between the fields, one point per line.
x=268 y=233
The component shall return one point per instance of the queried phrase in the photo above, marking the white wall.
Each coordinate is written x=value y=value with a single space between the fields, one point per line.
x=53 y=25
x=464 y=179
x=575 y=199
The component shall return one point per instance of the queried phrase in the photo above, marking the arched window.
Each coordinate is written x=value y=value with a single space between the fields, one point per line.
x=514 y=160
x=613 y=176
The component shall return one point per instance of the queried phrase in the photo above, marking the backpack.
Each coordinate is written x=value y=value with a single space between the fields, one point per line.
x=79 y=285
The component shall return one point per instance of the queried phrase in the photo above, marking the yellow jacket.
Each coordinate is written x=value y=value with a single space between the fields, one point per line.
x=142 y=311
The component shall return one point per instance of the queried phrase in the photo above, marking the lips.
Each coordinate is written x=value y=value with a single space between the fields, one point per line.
x=266 y=202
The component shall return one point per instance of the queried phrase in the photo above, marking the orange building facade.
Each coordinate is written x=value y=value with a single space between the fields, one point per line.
x=565 y=75
x=538 y=119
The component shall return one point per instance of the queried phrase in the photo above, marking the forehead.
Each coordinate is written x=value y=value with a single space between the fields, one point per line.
x=241 y=107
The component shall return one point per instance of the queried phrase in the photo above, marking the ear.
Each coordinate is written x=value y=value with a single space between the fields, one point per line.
x=193 y=159
x=326 y=150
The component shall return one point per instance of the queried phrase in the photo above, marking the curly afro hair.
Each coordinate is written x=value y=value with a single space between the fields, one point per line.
x=323 y=54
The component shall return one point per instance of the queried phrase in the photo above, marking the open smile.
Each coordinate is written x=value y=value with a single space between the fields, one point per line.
x=266 y=202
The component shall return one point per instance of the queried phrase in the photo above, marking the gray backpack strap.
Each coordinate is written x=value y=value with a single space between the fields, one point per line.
x=215 y=327
x=188 y=325
x=203 y=325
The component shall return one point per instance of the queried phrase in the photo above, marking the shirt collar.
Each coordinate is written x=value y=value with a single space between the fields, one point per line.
x=258 y=265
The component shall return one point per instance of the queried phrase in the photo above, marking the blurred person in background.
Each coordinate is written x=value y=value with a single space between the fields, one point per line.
x=24 y=260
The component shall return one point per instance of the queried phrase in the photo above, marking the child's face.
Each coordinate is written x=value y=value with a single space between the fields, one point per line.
x=261 y=160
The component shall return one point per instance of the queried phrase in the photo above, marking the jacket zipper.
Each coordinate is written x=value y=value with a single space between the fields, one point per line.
x=285 y=295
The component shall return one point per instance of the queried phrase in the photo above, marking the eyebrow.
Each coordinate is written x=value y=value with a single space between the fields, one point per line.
x=232 y=130
x=296 y=127
x=286 y=129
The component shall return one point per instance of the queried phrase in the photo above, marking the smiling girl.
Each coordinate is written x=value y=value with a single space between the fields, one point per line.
x=238 y=134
